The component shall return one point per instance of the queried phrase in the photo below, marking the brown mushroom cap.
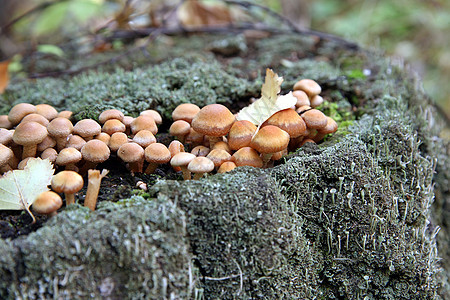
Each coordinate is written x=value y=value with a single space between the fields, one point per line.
x=68 y=182
x=200 y=150
x=241 y=134
x=175 y=147
x=181 y=159
x=247 y=156
x=110 y=114
x=95 y=151
x=76 y=142
x=104 y=137
x=226 y=167
x=213 y=120
x=314 y=119
x=316 y=101
x=47 y=203
x=68 y=156
x=218 y=157
x=200 y=165
x=6 y=154
x=113 y=125
x=270 y=139
x=4 y=122
x=143 y=122
x=154 y=114
x=131 y=152
x=302 y=98
x=117 y=139
x=48 y=142
x=60 y=127
x=65 y=114
x=5 y=136
x=33 y=117
x=185 y=111
x=309 y=86
x=19 y=111
x=144 y=138
x=29 y=133
x=289 y=121
x=50 y=154
x=223 y=146
x=46 y=110
x=157 y=153
x=87 y=128
x=180 y=129
x=194 y=137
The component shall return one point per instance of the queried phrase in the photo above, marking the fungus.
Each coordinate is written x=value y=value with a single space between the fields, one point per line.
x=67 y=114
x=144 y=138
x=110 y=114
x=268 y=140
x=200 y=150
x=143 y=122
x=34 y=117
x=19 y=111
x=60 y=128
x=316 y=101
x=214 y=121
x=182 y=160
x=199 y=166
x=314 y=119
x=154 y=114
x=67 y=182
x=29 y=135
x=133 y=154
x=175 y=147
x=309 y=86
x=87 y=129
x=289 y=121
x=241 y=134
x=226 y=167
x=47 y=203
x=50 y=154
x=76 y=142
x=6 y=154
x=94 y=152
x=185 y=111
x=302 y=98
x=48 y=142
x=113 y=125
x=218 y=157
x=331 y=127
x=156 y=154
x=47 y=111
x=5 y=136
x=4 y=122
x=104 y=137
x=180 y=129
x=194 y=137
x=93 y=188
x=117 y=139
x=69 y=157
x=247 y=156
x=222 y=146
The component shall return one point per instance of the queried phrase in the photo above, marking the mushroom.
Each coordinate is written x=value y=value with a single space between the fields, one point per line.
x=104 y=137
x=289 y=121
x=268 y=140
x=143 y=122
x=314 y=119
x=5 y=136
x=34 y=117
x=94 y=152
x=110 y=114
x=144 y=138
x=4 y=122
x=200 y=150
x=180 y=129
x=218 y=157
x=316 y=101
x=48 y=142
x=194 y=138
x=302 y=98
x=18 y=111
x=67 y=182
x=29 y=135
x=133 y=154
x=182 y=160
x=47 y=111
x=113 y=125
x=94 y=181
x=331 y=127
x=47 y=203
x=6 y=154
x=50 y=154
x=117 y=139
x=69 y=157
x=241 y=134
x=309 y=86
x=156 y=154
x=65 y=114
x=185 y=111
x=175 y=147
x=226 y=167
x=87 y=129
x=199 y=166
x=214 y=121
x=75 y=141
x=154 y=114
x=60 y=128
x=222 y=146
x=247 y=156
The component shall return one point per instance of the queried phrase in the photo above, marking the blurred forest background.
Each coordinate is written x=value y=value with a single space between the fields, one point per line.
x=415 y=31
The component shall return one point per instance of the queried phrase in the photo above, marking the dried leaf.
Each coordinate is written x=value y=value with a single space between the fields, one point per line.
x=4 y=75
x=20 y=188
x=269 y=103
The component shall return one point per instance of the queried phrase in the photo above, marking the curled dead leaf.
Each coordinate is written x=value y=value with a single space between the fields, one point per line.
x=4 y=75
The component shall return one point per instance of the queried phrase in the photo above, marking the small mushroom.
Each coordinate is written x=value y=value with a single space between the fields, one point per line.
x=50 y=154
x=156 y=154
x=185 y=111
x=200 y=150
x=182 y=160
x=117 y=139
x=18 y=111
x=60 y=128
x=67 y=182
x=29 y=135
x=199 y=166
x=113 y=125
x=309 y=86
x=87 y=129
x=241 y=134
x=218 y=157
x=110 y=114
x=143 y=122
x=94 y=152
x=268 y=140
x=133 y=154
x=69 y=157
x=47 y=111
x=226 y=167
x=6 y=154
x=93 y=188
x=154 y=114
x=247 y=156
x=144 y=138
x=47 y=203
x=180 y=129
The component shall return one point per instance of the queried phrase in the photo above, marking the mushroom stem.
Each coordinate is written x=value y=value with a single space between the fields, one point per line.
x=94 y=180
x=197 y=176
x=136 y=166
x=266 y=158
x=29 y=151
x=5 y=168
x=70 y=198
x=213 y=140
x=151 y=168
x=61 y=142
x=186 y=173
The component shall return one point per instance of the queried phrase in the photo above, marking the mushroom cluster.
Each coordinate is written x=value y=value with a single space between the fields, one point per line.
x=217 y=142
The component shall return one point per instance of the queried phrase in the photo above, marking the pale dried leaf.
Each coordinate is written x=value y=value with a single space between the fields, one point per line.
x=269 y=103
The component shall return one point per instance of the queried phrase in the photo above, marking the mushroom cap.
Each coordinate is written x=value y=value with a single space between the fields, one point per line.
x=29 y=133
x=194 y=137
x=226 y=167
x=157 y=153
x=302 y=98
x=6 y=154
x=309 y=86
x=270 y=139
x=47 y=142
x=213 y=120
x=110 y=114
x=87 y=128
x=143 y=122
x=316 y=101
x=113 y=125
x=60 y=127
x=131 y=152
x=241 y=134
x=185 y=111
x=182 y=159
x=68 y=156
x=34 y=117
x=154 y=114
x=331 y=126
x=65 y=114
x=47 y=202
x=4 y=122
x=144 y=138
x=200 y=165
x=67 y=182
x=117 y=139
x=179 y=128
x=19 y=111
x=5 y=136
x=46 y=110
x=289 y=121
x=314 y=119
x=200 y=150
x=175 y=147
x=247 y=156
x=218 y=156
x=104 y=137
x=50 y=154
x=76 y=142
x=95 y=151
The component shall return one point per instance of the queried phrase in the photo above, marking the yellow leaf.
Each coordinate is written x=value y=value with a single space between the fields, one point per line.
x=4 y=76
x=19 y=188
x=269 y=103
